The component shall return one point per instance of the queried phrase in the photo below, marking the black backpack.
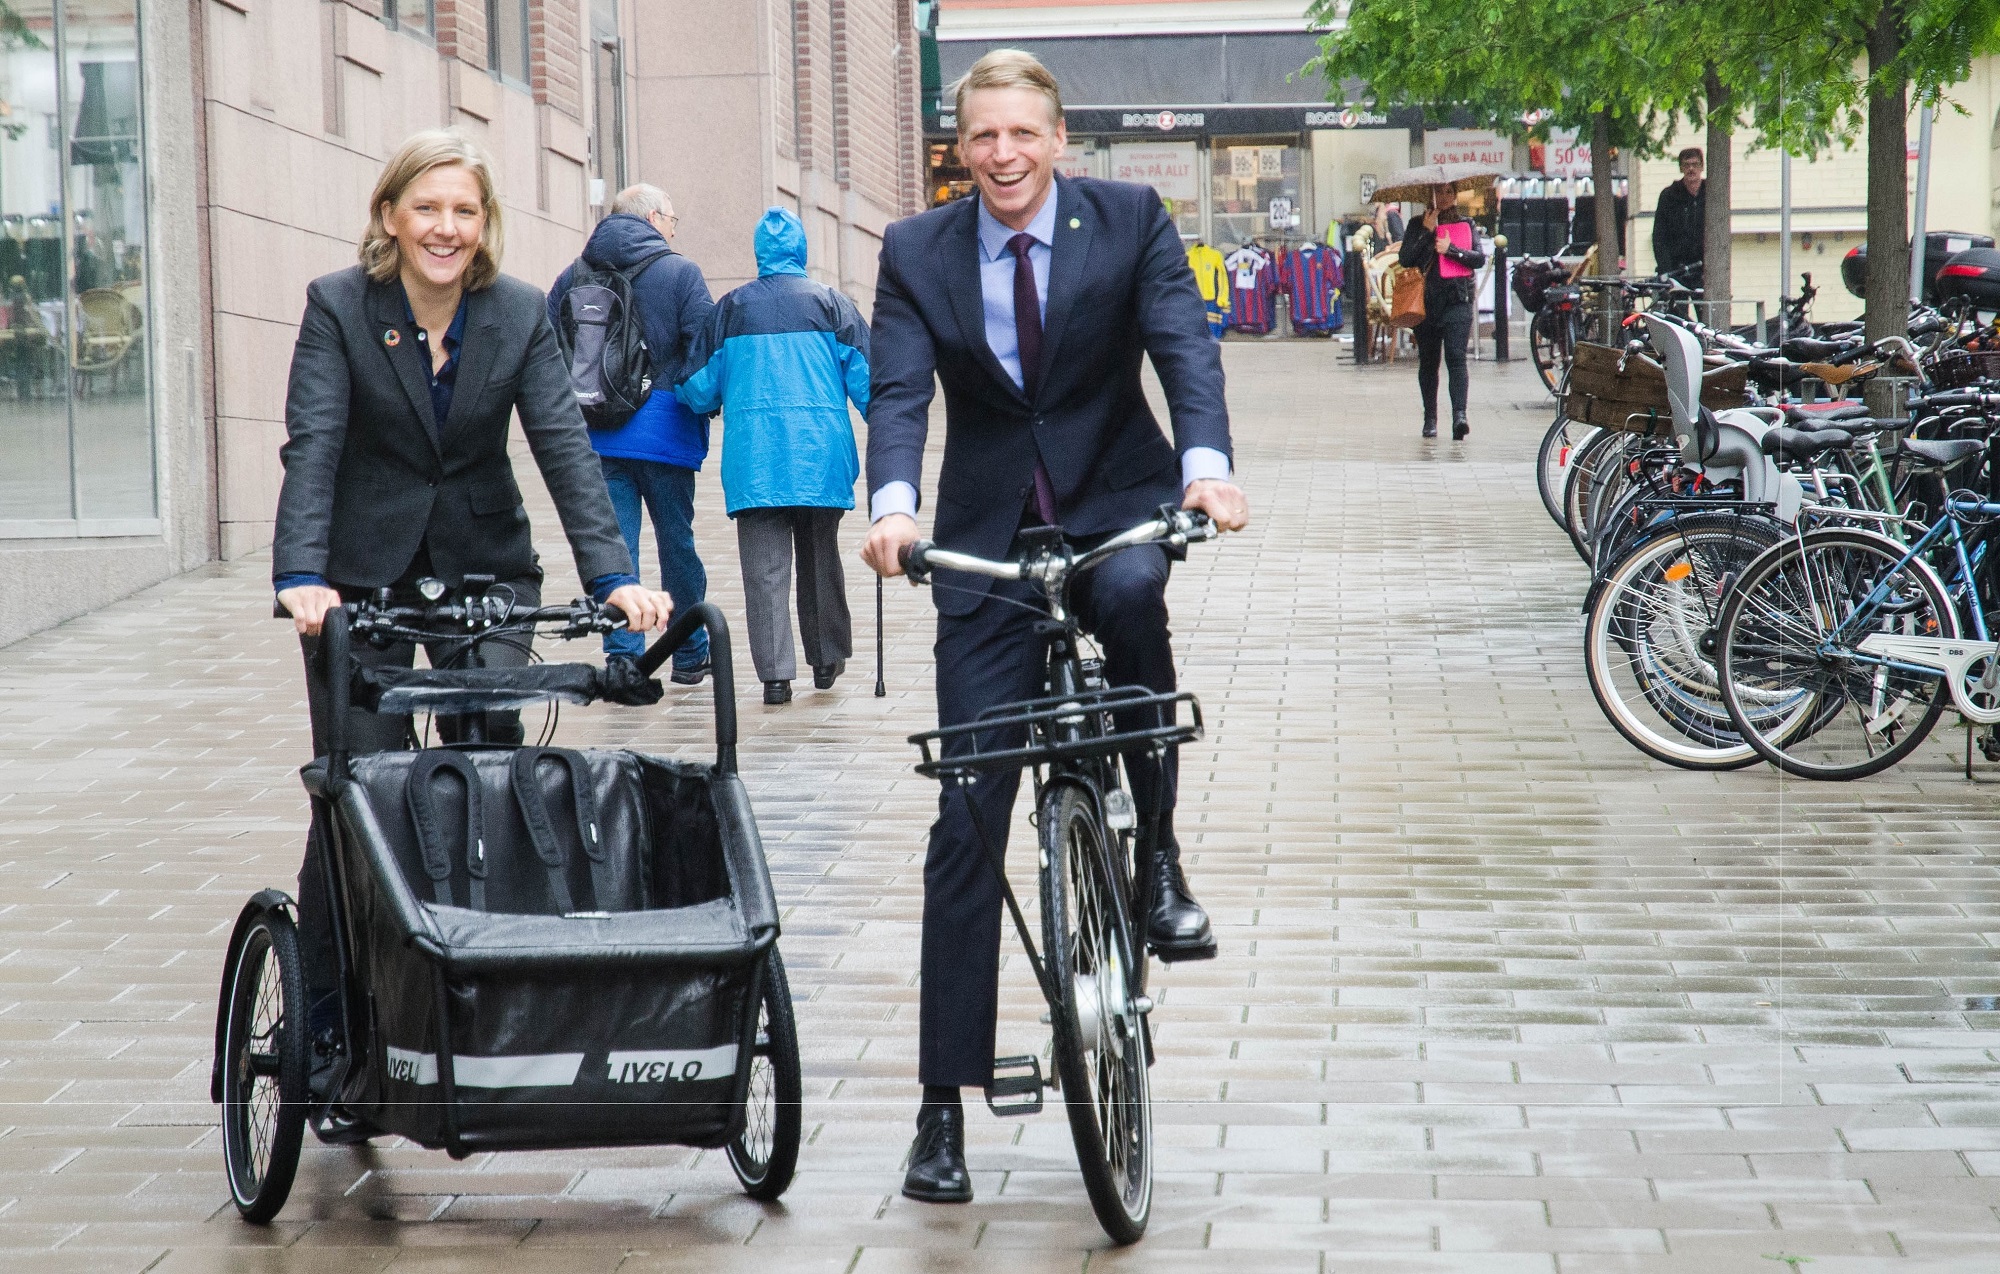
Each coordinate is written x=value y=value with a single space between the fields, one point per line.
x=610 y=370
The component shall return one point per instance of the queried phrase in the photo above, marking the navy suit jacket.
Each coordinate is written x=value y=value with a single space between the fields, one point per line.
x=1119 y=288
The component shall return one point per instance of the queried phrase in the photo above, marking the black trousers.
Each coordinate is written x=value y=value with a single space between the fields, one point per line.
x=989 y=657
x=371 y=732
x=1443 y=332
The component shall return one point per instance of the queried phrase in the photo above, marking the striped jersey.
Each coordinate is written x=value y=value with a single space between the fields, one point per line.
x=1311 y=277
x=1253 y=289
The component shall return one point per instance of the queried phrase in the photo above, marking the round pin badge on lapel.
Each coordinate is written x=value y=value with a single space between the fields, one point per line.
x=1075 y=223
x=392 y=338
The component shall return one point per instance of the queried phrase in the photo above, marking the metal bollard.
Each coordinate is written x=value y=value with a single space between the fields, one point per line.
x=1500 y=291
x=1357 y=295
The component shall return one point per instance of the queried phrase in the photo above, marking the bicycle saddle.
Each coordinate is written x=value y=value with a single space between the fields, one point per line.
x=1945 y=452
x=1814 y=414
x=1802 y=444
x=1804 y=349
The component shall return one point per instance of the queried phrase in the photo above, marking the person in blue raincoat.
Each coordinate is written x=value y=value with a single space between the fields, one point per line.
x=780 y=358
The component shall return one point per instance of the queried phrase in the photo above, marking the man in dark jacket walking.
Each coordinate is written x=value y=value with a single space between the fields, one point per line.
x=1679 y=216
x=652 y=458
x=782 y=357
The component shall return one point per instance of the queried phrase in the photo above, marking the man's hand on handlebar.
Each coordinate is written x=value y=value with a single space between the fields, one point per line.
x=1222 y=501
x=308 y=605
x=646 y=611
x=891 y=534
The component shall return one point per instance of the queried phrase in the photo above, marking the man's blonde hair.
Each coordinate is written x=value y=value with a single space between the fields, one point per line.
x=433 y=148
x=1008 y=68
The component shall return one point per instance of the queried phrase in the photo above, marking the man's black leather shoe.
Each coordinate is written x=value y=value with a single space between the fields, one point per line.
x=1176 y=926
x=777 y=692
x=824 y=675
x=937 y=1158
x=689 y=676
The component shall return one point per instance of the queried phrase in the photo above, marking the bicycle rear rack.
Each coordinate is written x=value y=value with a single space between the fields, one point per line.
x=1088 y=712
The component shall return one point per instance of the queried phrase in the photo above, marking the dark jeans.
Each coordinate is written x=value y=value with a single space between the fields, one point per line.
x=994 y=656
x=667 y=492
x=767 y=541
x=371 y=732
x=1443 y=332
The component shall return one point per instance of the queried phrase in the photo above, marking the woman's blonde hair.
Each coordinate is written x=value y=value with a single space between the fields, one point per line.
x=1008 y=68
x=433 y=148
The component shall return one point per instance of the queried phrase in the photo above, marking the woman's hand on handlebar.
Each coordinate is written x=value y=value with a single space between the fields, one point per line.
x=891 y=534
x=646 y=611
x=308 y=605
x=1222 y=501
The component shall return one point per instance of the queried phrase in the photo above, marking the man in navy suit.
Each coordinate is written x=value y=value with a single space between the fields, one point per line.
x=1032 y=305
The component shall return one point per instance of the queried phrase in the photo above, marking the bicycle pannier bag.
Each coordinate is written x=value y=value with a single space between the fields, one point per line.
x=610 y=370
x=1406 y=304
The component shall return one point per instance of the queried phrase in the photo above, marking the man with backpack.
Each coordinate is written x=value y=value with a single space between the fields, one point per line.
x=626 y=313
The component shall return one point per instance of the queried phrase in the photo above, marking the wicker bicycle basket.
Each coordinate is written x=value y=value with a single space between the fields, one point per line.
x=1635 y=399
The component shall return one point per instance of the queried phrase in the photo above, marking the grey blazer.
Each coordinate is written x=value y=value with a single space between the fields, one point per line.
x=370 y=476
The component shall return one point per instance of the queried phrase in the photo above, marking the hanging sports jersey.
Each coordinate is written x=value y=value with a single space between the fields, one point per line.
x=1311 y=277
x=1206 y=263
x=1253 y=287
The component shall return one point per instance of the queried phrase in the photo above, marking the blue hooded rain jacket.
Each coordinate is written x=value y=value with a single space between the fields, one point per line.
x=780 y=358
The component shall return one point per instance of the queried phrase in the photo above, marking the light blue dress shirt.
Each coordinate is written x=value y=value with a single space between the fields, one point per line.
x=996 y=291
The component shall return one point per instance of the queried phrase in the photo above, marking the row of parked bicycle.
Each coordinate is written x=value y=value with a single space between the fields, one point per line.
x=1778 y=579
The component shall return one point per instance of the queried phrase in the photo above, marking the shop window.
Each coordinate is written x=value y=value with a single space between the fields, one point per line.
x=1245 y=175
x=1170 y=168
x=412 y=17
x=74 y=383
x=607 y=87
x=507 y=39
x=948 y=178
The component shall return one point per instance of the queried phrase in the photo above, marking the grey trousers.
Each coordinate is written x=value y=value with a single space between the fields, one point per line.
x=767 y=540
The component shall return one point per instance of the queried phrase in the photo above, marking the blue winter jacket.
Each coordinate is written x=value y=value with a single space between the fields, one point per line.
x=674 y=305
x=781 y=357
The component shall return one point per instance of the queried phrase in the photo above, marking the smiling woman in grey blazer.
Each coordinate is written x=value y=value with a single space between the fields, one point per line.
x=408 y=369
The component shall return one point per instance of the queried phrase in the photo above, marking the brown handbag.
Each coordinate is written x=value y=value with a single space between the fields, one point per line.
x=1406 y=297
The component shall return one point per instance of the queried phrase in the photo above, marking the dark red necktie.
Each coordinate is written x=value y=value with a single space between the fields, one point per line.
x=1028 y=342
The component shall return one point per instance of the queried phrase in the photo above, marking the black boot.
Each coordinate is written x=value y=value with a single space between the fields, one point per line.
x=1176 y=926
x=777 y=692
x=937 y=1158
x=1459 y=426
x=1430 y=422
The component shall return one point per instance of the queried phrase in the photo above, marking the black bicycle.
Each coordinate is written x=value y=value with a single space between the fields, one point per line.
x=1092 y=963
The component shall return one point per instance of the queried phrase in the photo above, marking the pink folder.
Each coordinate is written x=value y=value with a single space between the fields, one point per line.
x=1460 y=233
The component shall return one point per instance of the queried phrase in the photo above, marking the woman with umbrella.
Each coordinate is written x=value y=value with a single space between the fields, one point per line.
x=1440 y=243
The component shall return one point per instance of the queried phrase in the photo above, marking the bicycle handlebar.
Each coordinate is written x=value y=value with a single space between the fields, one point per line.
x=1173 y=526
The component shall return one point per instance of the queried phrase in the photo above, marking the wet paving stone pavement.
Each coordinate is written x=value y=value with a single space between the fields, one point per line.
x=1496 y=993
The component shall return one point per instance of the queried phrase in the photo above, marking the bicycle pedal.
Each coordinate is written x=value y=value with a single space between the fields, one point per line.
x=1183 y=955
x=1016 y=1088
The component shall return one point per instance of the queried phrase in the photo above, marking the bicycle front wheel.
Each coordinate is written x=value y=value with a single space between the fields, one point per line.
x=1559 y=446
x=1649 y=644
x=1796 y=684
x=1100 y=1038
x=1549 y=346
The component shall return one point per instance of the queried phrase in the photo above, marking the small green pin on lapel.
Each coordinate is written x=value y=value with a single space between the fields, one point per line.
x=1075 y=223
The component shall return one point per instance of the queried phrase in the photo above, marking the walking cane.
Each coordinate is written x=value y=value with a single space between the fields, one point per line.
x=881 y=691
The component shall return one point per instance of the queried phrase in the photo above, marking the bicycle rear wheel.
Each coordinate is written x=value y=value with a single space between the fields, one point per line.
x=1649 y=643
x=1796 y=685
x=1100 y=1038
x=264 y=1095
